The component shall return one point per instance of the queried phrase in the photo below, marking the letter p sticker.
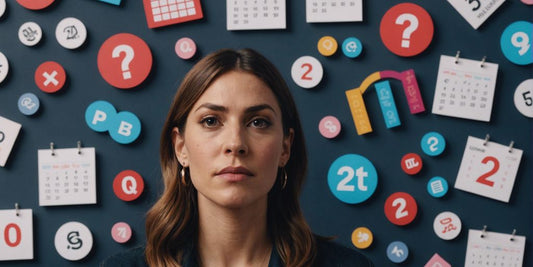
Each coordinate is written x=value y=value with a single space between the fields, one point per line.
x=98 y=115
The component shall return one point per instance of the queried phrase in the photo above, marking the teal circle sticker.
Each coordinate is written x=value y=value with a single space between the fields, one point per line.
x=125 y=127
x=433 y=144
x=99 y=114
x=516 y=42
x=437 y=187
x=352 y=178
x=352 y=47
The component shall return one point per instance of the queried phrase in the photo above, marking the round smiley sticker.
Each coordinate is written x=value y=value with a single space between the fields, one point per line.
x=406 y=29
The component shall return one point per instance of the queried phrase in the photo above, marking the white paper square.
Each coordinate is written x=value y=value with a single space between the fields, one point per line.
x=67 y=178
x=494 y=249
x=9 y=131
x=476 y=11
x=465 y=89
x=255 y=15
x=18 y=245
x=488 y=169
x=333 y=10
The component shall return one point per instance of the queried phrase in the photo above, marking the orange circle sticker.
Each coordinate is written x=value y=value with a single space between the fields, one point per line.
x=50 y=77
x=35 y=5
x=327 y=46
x=362 y=237
x=124 y=60
x=406 y=29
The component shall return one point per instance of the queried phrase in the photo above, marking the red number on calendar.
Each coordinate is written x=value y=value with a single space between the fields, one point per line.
x=17 y=235
x=309 y=69
x=483 y=179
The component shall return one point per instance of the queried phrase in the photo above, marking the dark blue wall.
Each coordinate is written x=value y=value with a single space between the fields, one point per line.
x=61 y=120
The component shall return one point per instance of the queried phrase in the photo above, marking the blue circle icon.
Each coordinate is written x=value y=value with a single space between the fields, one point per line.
x=397 y=252
x=352 y=47
x=437 y=187
x=99 y=115
x=516 y=42
x=352 y=178
x=433 y=144
x=28 y=104
x=125 y=127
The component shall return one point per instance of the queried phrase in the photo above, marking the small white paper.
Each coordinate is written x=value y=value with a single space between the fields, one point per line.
x=333 y=10
x=494 y=249
x=9 y=131
x=488 y=169
x=255 y=15
x=465 y=89
x=67 y=178
x=16 y=235
x=476 y=12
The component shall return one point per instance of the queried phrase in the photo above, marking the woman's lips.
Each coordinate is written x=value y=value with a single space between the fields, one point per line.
x=234 y=174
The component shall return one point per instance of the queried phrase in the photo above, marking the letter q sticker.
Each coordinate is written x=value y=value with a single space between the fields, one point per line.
x=124 y=60
x=406 y=29
x=128 y=185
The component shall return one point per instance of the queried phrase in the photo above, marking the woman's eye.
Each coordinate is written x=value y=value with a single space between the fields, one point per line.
x=260 y=123
x=210 y=122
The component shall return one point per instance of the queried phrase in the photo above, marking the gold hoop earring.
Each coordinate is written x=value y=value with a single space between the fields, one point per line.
x=182 y=174
x=284 y=179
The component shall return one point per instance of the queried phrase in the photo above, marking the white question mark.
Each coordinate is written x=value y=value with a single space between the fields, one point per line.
x=433 y=142
x=130 y=189
x=413 y=25
x=125 y=66
x=523 y=44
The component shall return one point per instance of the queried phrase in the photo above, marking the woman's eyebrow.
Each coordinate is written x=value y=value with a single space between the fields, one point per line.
x=257 y=108
x=248 y=110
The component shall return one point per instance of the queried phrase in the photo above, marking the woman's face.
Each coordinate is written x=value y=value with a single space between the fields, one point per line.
x=233 y=142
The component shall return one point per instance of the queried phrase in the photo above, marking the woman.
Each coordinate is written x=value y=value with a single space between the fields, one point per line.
x=233 y=160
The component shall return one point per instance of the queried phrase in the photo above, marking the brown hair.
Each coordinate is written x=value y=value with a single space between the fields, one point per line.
x=172 y=223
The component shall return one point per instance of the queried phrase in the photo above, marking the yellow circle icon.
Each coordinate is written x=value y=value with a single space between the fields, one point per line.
x=327 y=46
x=362 y=237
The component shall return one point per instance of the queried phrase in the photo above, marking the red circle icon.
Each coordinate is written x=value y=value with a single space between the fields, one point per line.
x=128 y=185
x=406 y=29
x=124 y=60
x=400 y=208
x=35 y=4
x=50 y=77
x=411 y=163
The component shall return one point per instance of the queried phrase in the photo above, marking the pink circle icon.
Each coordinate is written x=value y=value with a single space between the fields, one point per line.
x=527 y=2
x=121 y=232
x=185 y=48
x=329 y=127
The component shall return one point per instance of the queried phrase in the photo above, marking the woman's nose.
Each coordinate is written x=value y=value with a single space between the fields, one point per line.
x=236 y=141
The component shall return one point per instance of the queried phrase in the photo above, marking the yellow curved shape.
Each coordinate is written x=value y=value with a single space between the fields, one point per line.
x=374 y=77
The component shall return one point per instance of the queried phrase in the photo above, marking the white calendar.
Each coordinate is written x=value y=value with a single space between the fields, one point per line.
x=255 y=14
x=488 y=169
x=167 y=12
x=476 y=11
x=333 y=10
x=67 y=177
x=465 y=89
x=16 y=234
x=494 y=249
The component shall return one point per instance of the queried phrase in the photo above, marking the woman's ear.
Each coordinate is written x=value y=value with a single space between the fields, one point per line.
x=180 y=151
x=286 y=148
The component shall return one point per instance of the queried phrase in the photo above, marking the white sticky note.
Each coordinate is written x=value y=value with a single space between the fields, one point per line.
x=9 y=131
x=476 y=11
x=255 y=15
x=16 y=235
x=333 y=10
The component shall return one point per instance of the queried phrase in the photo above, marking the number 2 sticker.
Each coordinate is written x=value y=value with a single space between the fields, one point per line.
x=307 y=72
x=400 y=208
